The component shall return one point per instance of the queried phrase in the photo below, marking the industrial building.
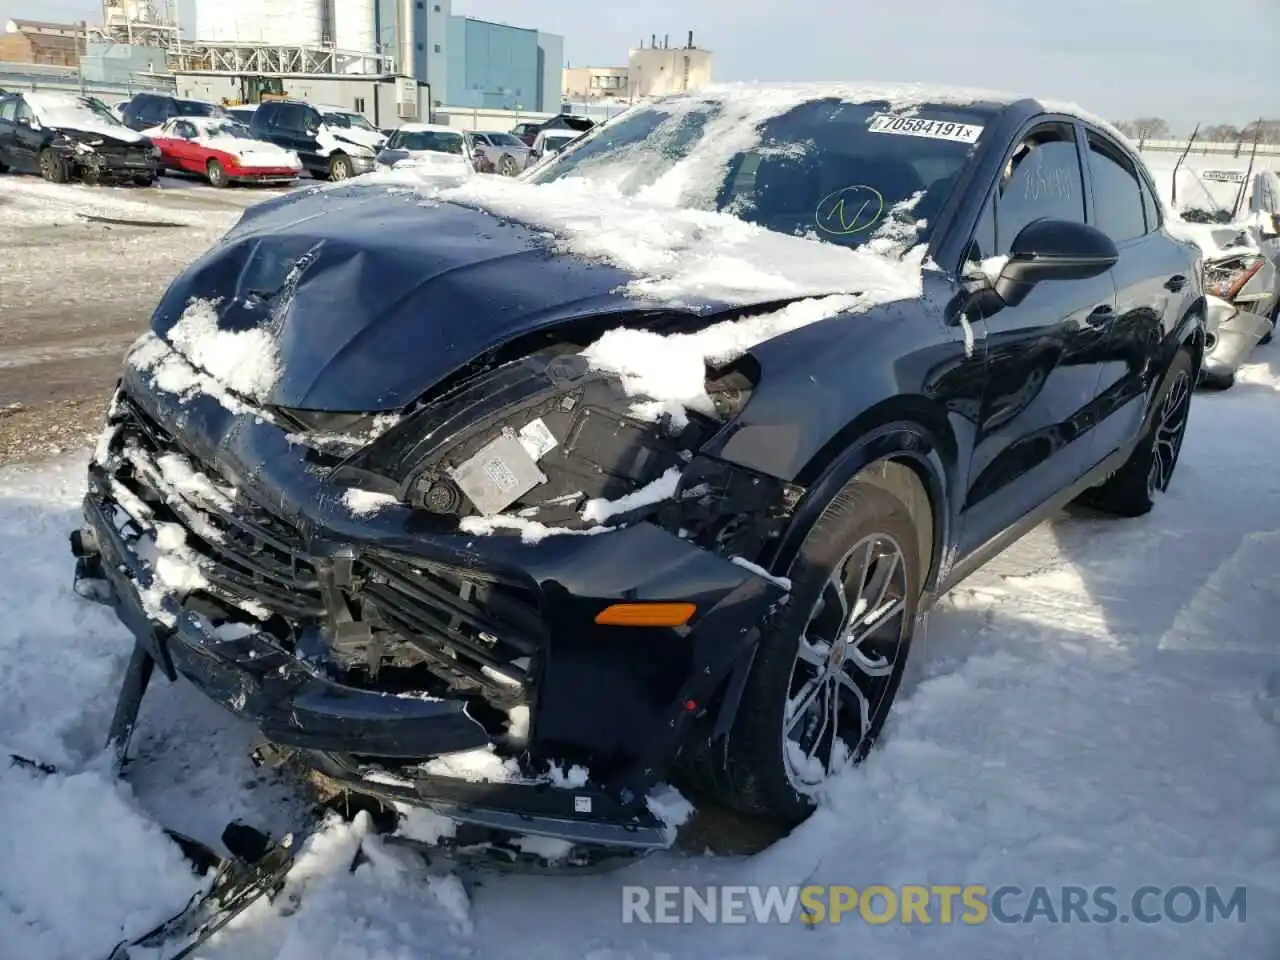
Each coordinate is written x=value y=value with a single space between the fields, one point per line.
x=33 y=41
x=651 y=71
x=461 y=61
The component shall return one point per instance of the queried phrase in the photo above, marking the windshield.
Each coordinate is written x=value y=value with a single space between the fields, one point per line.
x=60 y=110
x=347 y=121
x=827 y=169
x=503 y=139
x=433 y=141
x=198 y=108
x=227 y=128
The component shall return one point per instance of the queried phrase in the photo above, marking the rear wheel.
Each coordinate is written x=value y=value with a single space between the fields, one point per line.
x=53 y=167
x=827 y=670
x=340 y=167
x=1132 y=490
x=507 y=166
x=146 y=180
x=217 y=174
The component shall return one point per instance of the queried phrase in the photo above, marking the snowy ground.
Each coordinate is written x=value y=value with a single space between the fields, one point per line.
x=1090 y=709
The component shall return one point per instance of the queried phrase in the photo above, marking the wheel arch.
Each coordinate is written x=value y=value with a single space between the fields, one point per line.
x=904 y=445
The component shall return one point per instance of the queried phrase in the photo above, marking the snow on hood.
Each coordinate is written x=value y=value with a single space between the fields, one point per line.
x=432 y=161
x=682 y=255
x=1215 y=240
x=65 y=111
x=358 y=135
x=252 y=153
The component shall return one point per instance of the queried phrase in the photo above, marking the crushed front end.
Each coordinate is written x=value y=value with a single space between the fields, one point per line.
x=479 y=605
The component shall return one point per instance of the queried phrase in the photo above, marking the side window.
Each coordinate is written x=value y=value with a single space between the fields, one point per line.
x=309 y=119
x=9 y=109
x=1117 y=197
x=185 y=130
x=24 y=111
x=1040 y=179
x=289 y=118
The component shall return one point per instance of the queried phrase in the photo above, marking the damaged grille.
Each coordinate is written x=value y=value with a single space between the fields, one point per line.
x=246 y=553
x=475 y=634
x=388 y=622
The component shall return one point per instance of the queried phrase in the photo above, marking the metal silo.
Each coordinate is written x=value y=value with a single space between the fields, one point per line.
x=353 y=26
x=281 y=22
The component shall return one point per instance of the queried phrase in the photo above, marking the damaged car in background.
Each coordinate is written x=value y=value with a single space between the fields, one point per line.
x=64 y=137
x=1233 y=216
x=496 y=500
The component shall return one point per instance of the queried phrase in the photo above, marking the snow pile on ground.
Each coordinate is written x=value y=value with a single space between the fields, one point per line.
x=1095 y=707
x=27 y=201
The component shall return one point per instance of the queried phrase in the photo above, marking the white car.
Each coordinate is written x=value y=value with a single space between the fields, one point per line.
x=430 y=148
x=550 y=142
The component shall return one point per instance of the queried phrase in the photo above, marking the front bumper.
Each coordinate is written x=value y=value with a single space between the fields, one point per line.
x=119 y=165
x=1234 y=338
x=617 y=700
x=265 y=174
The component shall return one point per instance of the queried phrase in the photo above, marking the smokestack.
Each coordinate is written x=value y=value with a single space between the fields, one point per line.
x=653 y=41
x=690 y=39
x=404 y=38
x=666 y=41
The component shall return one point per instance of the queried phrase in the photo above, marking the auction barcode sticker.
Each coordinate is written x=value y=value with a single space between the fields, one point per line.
x=918 y=127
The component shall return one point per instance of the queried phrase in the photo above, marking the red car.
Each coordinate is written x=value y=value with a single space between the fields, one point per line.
x=222 y=151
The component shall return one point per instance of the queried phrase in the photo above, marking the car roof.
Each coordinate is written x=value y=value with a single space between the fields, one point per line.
x=780 y=96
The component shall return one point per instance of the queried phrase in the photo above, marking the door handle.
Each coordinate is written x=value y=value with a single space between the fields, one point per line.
x=1175 y=283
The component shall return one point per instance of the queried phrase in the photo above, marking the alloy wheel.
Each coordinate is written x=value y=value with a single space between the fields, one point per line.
x=1171 y=427
x=845 y=663
x=340 y=169
x=507 y=166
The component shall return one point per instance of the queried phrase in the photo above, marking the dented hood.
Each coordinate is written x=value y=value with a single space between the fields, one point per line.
x=375 y=295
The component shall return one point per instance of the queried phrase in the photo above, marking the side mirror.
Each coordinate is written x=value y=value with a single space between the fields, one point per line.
x=25 y=122
x=1054 y=250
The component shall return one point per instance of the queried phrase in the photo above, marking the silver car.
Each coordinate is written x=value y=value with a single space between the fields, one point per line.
x=503 y=153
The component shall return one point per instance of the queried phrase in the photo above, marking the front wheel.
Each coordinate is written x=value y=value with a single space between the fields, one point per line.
x=340 y=168
x=1132 y=490
x=217 y=174
x=53 y=167
x=146 y=180
x=507 y=165
x=827 y=670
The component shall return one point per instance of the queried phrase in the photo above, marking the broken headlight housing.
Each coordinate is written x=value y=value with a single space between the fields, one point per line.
x=537 y=437
x=1226 y=278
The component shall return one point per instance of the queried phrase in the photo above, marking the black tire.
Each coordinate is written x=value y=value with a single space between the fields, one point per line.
x=507 y=165
x=53 y=167
x=144 y=181
x=4 y=167
x=1132 y=490
x=340 y=167
x=758 y=777
x=217 y=174
x=1216 y=381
